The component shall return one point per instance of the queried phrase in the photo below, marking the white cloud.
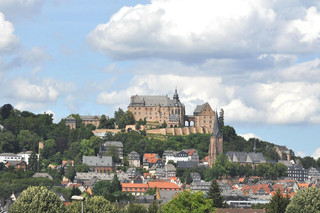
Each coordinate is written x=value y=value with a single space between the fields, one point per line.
x=305 y=71
x=35 y=56
x=270 y=102
x=21 y=9
x=301 y=154
x=8 y=41
x=247 y=136
x=199 y=30
x=316 y=154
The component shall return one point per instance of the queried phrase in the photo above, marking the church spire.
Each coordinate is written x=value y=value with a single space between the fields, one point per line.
x=216 y=129
x=176 y=96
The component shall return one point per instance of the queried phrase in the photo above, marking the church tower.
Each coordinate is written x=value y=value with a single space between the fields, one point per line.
x=216 y=142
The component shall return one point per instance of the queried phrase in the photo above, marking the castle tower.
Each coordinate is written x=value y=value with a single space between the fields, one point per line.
x=216 y=142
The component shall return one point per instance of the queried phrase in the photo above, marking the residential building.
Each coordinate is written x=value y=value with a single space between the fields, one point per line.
x=195 y=176
x=183 y=155
x=86 y=119
x=141 y=188
x=21 y=156
x=99 y=163
x=170 y=171
x=297 y=173
x=193 y=154
x=175 y=156
x=134 y=159
x=200 y=186
x=89 y=119
x=283 y=152
x=186 y=164
x=151 y=159
x=118 y=144
x=158 y=109
x=244 y=158
x=71 y=122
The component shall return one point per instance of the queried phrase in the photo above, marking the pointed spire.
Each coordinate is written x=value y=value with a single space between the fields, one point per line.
x=254 y=146
x=175 y=96
x=216 y=129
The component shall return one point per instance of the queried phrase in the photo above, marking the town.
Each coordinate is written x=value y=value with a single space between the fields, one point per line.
x=144 y=158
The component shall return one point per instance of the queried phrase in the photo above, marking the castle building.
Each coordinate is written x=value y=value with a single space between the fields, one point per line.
x=216 y=142
x=203 y=116
x=86 y=119
x=158 y=109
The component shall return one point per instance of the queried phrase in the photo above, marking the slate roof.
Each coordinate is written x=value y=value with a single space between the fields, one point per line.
x=166 y=196
x=216 y=129
x=97 y=161
x=148 y=100
x=42 y=175
x=113 y=143
x=195 y=176
x=246 y=157
x=70 y=118
x=134 y=155
x=89 y=117
x=186 y=164
x=170 y=167
x=198 y=110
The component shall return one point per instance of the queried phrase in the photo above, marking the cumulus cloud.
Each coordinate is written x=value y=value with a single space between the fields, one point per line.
x=269 y=102
x=21 y=9
x=316 y=154
x=247 y=136
x=8 y=41
x=200 y=30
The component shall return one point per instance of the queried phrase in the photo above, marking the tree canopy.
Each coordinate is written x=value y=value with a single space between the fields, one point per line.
x=305 y=200
x=188 y=201
x=37 y=199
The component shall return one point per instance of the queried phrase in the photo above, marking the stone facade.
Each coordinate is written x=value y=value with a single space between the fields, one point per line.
x=134 y=159
x=158 y=109
x=216 y=142
x=86 y=119
x=204 y=116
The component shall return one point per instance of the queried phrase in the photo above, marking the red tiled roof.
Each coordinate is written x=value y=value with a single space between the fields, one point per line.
x=303 y=185
x=164 y=185
x=149 y=155
x=152 y=160
x=190 y=152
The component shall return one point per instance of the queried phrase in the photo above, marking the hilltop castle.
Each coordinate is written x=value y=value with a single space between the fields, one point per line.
x=172 y=111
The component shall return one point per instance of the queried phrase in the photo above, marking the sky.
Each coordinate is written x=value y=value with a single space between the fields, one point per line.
x=258 y=60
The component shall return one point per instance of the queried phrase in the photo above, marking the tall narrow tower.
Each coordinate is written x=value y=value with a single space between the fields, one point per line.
x=216 y=142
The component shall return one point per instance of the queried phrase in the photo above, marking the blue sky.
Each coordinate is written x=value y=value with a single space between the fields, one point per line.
x=258 y=60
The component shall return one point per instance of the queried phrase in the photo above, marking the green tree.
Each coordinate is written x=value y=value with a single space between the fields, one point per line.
x=93 y=204
x=305 y=200
x=6 y=111
x=28 y=140
x=33 y=162
x=188 y=201
x=116 y=185
x=278 y=203
x=114 y=153
x=82 y=168
x=308 y=162
x=37 y=199
x=8 y=142
x=136 y=208
x=154 y=207
x=215 y=195
x=118 y=115
x=70 y=173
